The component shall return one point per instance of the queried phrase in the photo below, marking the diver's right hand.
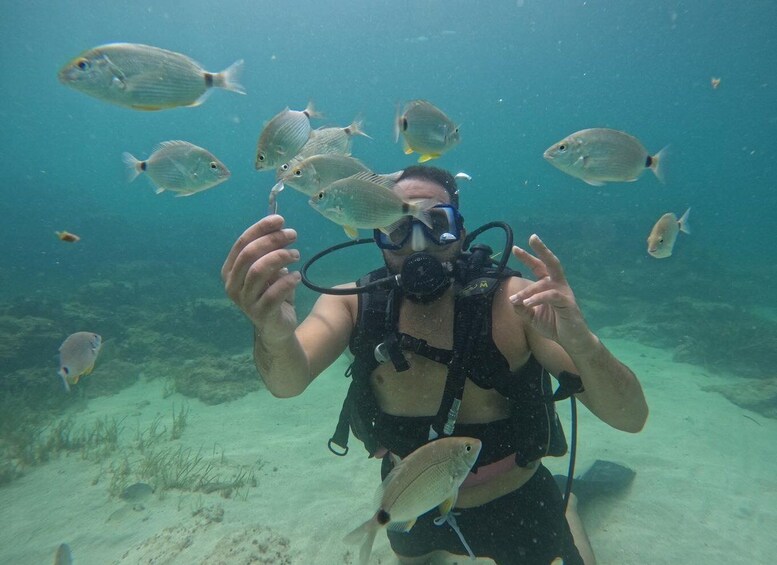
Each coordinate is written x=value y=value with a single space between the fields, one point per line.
x=257 y=279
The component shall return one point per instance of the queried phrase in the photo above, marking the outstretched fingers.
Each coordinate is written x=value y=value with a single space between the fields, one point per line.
x=548 y=258
x=264 y=226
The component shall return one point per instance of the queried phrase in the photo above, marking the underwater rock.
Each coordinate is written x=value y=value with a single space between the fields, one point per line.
x=217 y=379
x=758 y=395
x=25 y=339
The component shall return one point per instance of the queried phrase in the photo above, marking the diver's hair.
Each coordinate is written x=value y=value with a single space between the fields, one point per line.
x=435 y=175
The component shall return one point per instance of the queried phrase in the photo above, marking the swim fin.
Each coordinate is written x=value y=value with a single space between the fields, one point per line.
x=602 y=478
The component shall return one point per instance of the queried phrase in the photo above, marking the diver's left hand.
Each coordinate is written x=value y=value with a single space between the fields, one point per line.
x=549 y=304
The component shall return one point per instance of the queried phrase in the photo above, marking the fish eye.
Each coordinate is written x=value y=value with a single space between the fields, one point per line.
x=297 y=172
x=284 y=167
x=468 y=447
x=320 y=195
x=260 y=157
x=82 y=64
x=660 y=240
x=562 y=147
x=213 y=165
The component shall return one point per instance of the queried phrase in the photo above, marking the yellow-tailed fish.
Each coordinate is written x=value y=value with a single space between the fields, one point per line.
x=326 y=141
x=602 y=155
x=283 y=137
x=661 y=240
x=425 y=129
x=77 y=356
x=427 y=478
x=367 y=201
x=179 y=166
x=143 y=77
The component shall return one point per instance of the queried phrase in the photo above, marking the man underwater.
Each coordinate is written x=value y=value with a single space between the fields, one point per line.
x=460 y=350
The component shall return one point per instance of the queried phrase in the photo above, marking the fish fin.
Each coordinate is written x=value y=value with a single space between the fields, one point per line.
x=685 y=227
x=201 y=99
x=369 y=176
x=366 y=532
x=393 y=177
x=134 y=165
x=182 y=194
x=447 y=505
x=655 y=164
x=76 y=379
x=228 y=78
x=408 y=150
x=355 y=128
x=158 y=190
x=151 y=107
x=428 y=157
x=401 y=526
x=351 y=232
x=593 y=182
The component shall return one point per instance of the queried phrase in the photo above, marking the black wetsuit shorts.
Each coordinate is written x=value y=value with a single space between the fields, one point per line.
x=526 y=527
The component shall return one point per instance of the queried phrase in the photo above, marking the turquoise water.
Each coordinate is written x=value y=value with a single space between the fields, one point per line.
x=518 y=76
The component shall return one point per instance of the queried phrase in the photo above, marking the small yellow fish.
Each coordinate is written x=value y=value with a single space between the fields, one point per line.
x=179 y=166
x=427 y=478
x=77 y=356
x=367 y=201
x=664 y=234
x=283 y=137
x=425 y=129
x=715 y=82
x=143 y=77
x=67 y=236
x=601 y=155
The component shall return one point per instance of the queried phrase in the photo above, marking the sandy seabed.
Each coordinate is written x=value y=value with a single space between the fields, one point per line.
x=705 y=489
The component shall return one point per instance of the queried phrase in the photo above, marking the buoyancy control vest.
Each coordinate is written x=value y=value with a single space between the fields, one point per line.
x=376 y=339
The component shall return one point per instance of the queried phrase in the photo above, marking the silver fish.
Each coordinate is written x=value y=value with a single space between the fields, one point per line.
x=428 y=477
x=283 y=137
x=602 y=155
x=664 y=234
x=77 y=356
x=179 y=166
x=314 y=173
x=143 y=77
x=367 y=201
x=425 y=129
x=326 y=141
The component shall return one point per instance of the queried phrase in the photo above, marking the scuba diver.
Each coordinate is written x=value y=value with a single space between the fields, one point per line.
x=445 y=342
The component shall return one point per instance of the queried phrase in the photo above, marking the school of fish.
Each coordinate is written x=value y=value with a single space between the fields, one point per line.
x=317 y=162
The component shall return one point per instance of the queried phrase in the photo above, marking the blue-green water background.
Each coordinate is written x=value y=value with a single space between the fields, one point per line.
x=517 y=77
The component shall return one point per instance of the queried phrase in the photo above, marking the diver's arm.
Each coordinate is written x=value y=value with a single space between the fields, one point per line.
x=611 y=390
x=561 y=339
x=288 y=365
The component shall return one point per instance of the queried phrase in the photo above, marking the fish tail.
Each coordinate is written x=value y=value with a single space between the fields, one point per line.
x=61 y=373
x=134 y=166
x=355 y=128
x=366 y=535
x=685 y=227
x=310 y=111
x=421 y=211
x=656 y=164
x=228 y=78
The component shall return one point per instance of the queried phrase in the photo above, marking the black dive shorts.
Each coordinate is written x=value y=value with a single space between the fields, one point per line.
x=525 y=527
